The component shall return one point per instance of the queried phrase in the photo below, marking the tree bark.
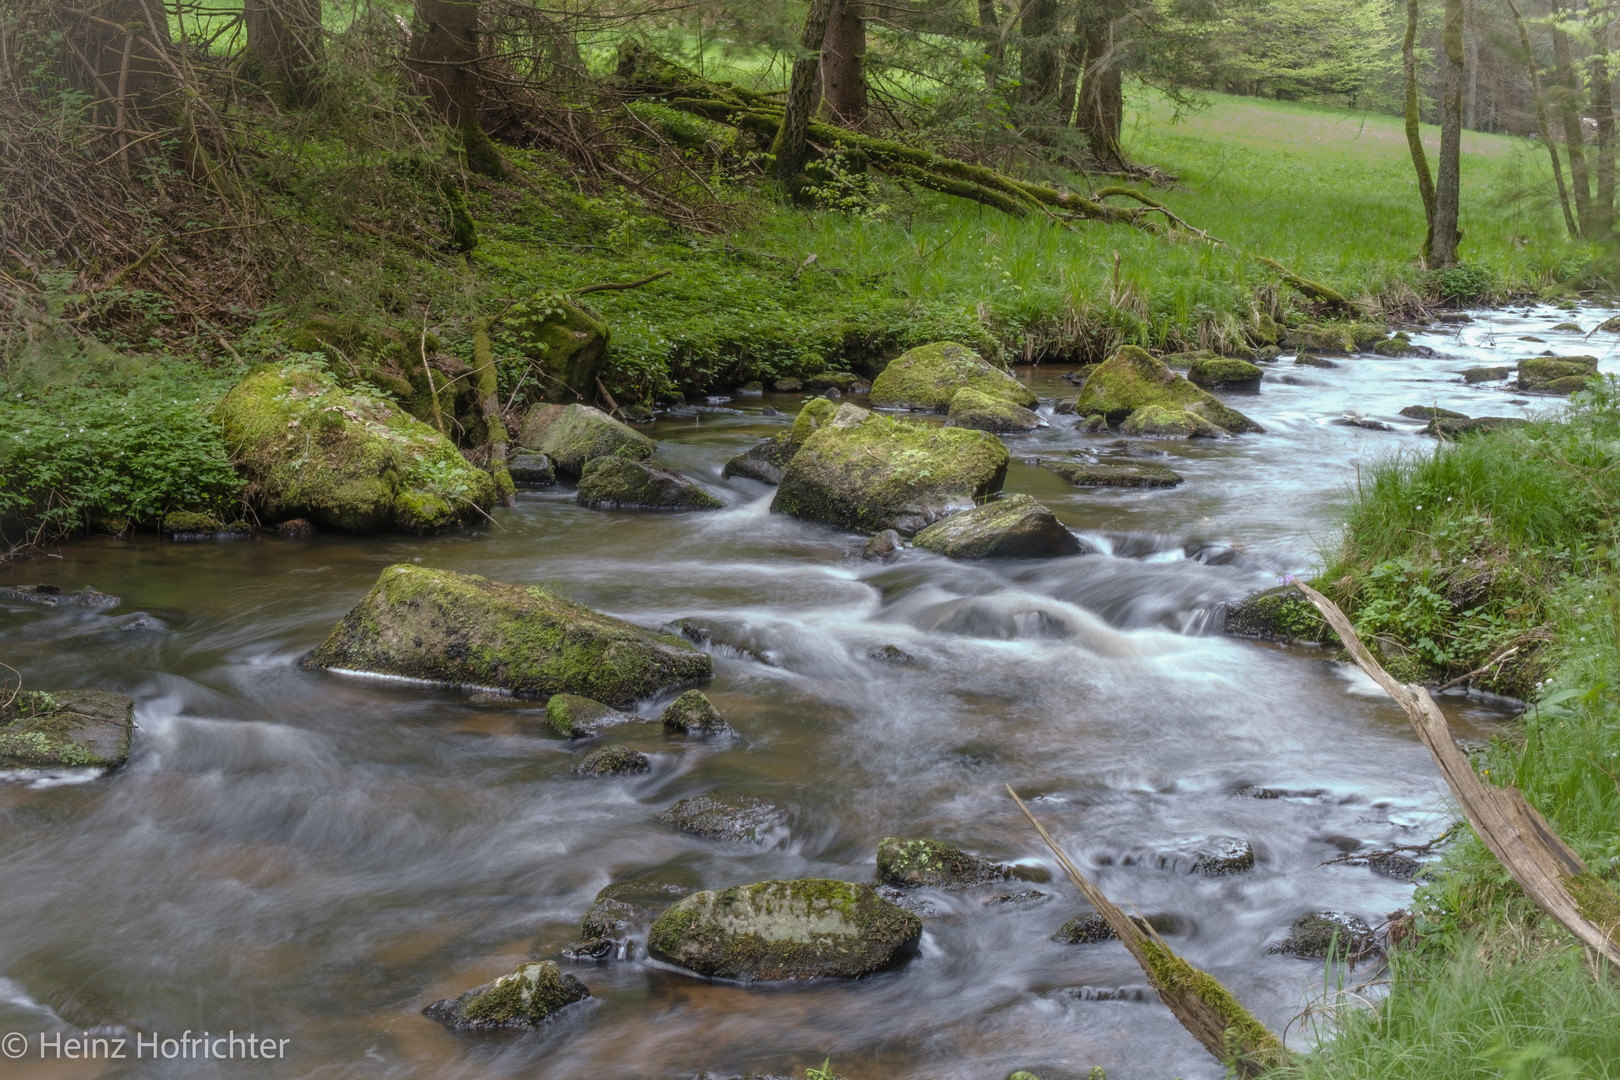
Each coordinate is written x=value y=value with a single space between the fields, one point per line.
x=284 y=36
x=444 y=54
x=1100 y=115
x=1543 y=126
x=995 y=46
x=1040 y=59
x=843 y=64
x=789 y=144
x=115 y=52
x=1603 y=108
x=1448 y=181
x=1414 y=131
x=1569 y=107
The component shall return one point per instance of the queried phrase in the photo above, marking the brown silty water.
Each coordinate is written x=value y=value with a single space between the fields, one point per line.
x=316 y=857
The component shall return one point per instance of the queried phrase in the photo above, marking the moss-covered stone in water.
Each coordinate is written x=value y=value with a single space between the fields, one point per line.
x=345 y=460
x=1430 y=412
x=1399 y=345
x=616 y=482
x=773 y=930
x=1168 y=421
x=932 y=864
x=568 y=341
x=816 y=414
x=1016 y=527
x=467 y=630
x=1213 y=372
x=727 y=815
x=1132 y=474
x=982 y=412
x=182 y=522
x=1323 y=337
x=1131 y=379
x=1326 y=934
x=612 y=761
x=928 y=377
x=66 y=729
x=765 y=460
x=1485 y=374
x=1555 y=374
x=575 y=717
x=571 y=435
x=694 y=714
x=521 y=999
x=531 y=470
x=869 y=473
x=1451 y=429
x=1282 y=613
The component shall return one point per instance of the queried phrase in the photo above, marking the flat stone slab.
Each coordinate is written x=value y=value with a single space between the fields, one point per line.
x=66 y=729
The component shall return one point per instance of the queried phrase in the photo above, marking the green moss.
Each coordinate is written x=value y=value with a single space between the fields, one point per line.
x=619 y=482
x=67 y=728
x=929 y=376
x=1016 y=526
x=575 y=717
x=1598 y=901
x=1556 y=374
x=694 y=714
x=1169 y=420
x=565 y=339
x=932 y=864
x=816 y=413
x=571 y=435
x=191 y=521
x=462 y=629
x=1215 y=371
x=1282 y=612
x=983 y=412
x=1252 y=1040
x=523 y=998
x=1131 y=380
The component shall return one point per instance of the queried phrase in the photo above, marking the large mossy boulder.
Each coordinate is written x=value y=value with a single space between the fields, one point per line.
x=65 y=729
x=1016 y=527
x=932 y=864
x=617 y=482
x=972 y=409
x=1131 y=380
x=571 y=435
x=346 y=460
x=927 y=378
x=1555 y=374
x=869 y=473
x=521 y=999
x=467 y=630
x=566 y=340
x=1169 y=421
x=772 y=930
x=768 y=460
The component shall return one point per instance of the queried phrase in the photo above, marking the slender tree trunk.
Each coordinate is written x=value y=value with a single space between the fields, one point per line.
x=1039 y=57
x=1101 y=112
x=1471 y=35
x=1569 y=107
x=1074 y=63
x=789 y=144
x=114 y=51
x=1603 y=107
x=1414 y=131
x=995 y=46
x=444 y=54
x=843 y=64
x=1542 y=124
x=1448 y=181
x=284 y=36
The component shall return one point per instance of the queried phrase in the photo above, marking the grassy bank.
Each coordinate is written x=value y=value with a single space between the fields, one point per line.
x=1493 y=539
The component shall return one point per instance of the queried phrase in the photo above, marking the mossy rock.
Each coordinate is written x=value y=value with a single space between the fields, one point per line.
x=832 y=380
x=927 y=378
x=816 y=414
x=1306 y=360
x=1398 y=345
x=932 y=864
x=1222 y=855
x=531 y=470
x=1485 y=374
x=571 y=435
x=774 y=930
x=53 y=596
x=617 y=482
x=727 y=815
x=383 y=358
x=788 y=385
x=1430 y=412
x=462 y=629
x=765 y=460
x=1335 y=337
x=972 y=409
x=1214 y=372
x=1281 y=613
x=521 y=999
x=1323 y=935
x=66 y=729
x=1131 y=380
x=1570 y=326
x=575 y=717
x=612 y=761
x=566 y=340
x=1170 y=421
x=1122 y=474
x=1452 y=429
x=1555 y=374
x=1090 y=929
x=1264 y=330
x=348 y=461
x=1016 y=527
x=869 y=473
x=1064 y=406
x=694 y=714
x=618 y=910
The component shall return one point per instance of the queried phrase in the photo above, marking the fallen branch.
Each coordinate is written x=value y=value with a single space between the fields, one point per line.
x=616 y=286
x=1552 y=875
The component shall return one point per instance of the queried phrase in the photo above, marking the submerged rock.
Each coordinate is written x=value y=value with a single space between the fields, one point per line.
x=1431 y=412
x=1555 y=374
x=1163 y=420
x=346 y=460
x=982 y=412
x=612 y=761
x=1454 y=428
x=1016 y=527
x=1213 y=372
x=521 y=999
x=727 y=815
x=1324 y=934
x=935 y=865
x=694 y=714
x=765 y=460
x=1131 y=380
x=868 y=473
x=467 y=630
x=1281 y=613
x=891 y=654
x=66 y=729
x=773 y=930
x=619 y=482
x=1305 y=360
x=53 y=596
x=534 y=470
x=571 y=435
x=1123 y=474
x=883 y=545
x=929 y=376
x=1485 y=374
x=575 y=717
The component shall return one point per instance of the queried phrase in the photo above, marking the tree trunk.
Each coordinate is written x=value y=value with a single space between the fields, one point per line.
x=1542 y=124
x=116 y=53
x=1040 y=57
x=995 y=46
x=1603 y=107
x=843 y=64
x=1471 y=35
x=1414 y=132
x=789 y=144
x=284 y=36
x=1569 y=107
x=1101 y=113
x=444 y=54
x=1448 y=182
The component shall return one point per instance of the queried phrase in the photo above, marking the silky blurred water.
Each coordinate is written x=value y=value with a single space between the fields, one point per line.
x=317 y=857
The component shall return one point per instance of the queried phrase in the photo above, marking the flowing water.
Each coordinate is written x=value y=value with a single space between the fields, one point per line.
x=316 y=857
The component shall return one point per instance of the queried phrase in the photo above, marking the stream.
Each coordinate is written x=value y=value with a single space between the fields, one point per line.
x=316 y=857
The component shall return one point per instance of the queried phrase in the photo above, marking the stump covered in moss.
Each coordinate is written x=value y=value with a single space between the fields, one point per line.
x=467 y=630
x=1131 y=379
x=772 y=930
x=66 y=728
x=571 y=435
x=928 y=377
x=523 y=998
x=1015 y=527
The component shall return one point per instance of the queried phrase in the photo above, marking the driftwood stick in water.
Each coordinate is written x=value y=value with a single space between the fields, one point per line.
x=1549 y=872
x=1204 y=1007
